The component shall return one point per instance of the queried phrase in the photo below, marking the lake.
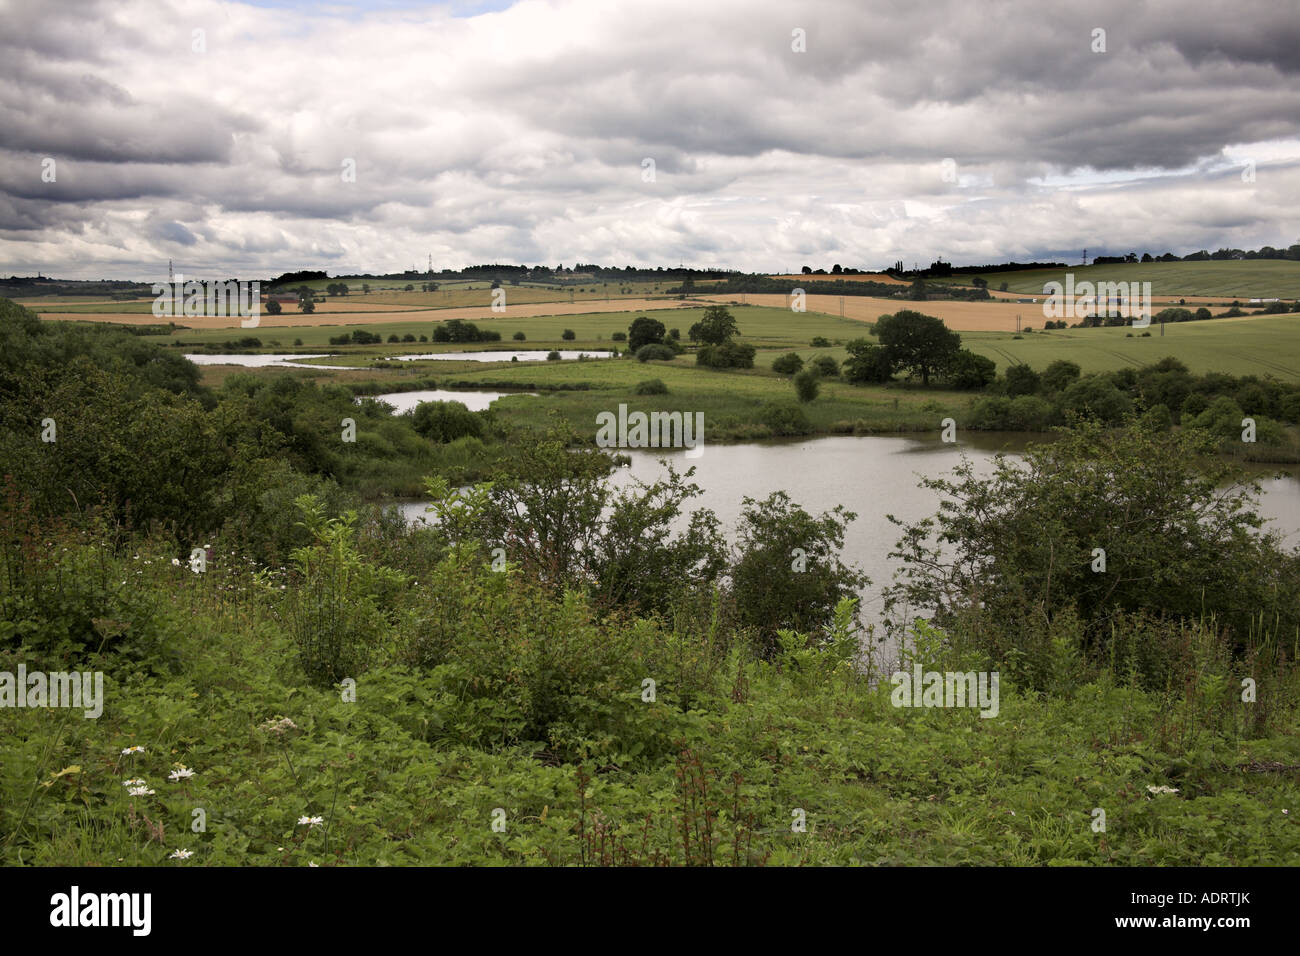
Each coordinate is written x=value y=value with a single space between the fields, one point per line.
x=474 y=401
x=531 y=355
x=873 y=476
x=288 y=360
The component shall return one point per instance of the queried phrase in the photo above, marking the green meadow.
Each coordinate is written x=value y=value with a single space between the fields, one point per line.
x=1240 y=279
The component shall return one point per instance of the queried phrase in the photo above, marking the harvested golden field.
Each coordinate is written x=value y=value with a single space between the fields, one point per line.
x=962 y=316
x=295 y=319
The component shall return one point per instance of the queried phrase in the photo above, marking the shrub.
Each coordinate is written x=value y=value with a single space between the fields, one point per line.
x=787 y=364
x=443 y=422
x=1059 y=375
x=651 y=386
x=968 y=371
x=867 y=363
x=334 y=611
x=726 y=355
x=1095 y=397
x=568 y=335
x=1024 y=540
x=1021 y=380
x=619 y=336
x=519 y=337
x=644 y=331
x=820 y=342
x=655 y=353
x=785 y=419
x=826 y=366
x=807 y=385
x=769 y=590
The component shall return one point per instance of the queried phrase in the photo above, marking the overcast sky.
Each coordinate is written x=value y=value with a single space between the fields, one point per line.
x=499 y=132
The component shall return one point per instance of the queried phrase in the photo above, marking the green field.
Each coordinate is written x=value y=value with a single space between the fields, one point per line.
x=1265 y=345
x=760 y=326
x=1243 y=279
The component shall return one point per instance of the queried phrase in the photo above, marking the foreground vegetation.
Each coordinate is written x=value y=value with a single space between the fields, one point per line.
x=553 y=673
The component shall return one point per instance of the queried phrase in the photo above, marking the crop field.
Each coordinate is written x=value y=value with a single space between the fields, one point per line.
x=1263 y=346
x=1219 y=280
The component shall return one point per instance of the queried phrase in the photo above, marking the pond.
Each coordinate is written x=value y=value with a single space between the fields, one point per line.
x=531 y=355
x=873 y=476
x=289 y=360
x=474 y=401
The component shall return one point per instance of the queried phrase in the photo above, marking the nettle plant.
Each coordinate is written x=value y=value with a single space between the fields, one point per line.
x=335 y=612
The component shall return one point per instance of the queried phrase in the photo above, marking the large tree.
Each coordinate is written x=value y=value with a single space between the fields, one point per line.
x=716 y=327
x=919 y=343
x=645 y=331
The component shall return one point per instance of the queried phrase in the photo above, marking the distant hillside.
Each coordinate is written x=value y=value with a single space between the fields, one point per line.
x=1238 y=279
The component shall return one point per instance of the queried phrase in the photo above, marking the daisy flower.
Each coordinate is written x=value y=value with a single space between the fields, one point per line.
x=310 y=821
x=140 y=792
x=133 y=750
x=181 y=855
x=180 y=774
x=134 y=782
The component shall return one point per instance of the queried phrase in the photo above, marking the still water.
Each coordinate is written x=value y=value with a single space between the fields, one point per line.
x=474 y=401
x=532 y=355
x=873 y=476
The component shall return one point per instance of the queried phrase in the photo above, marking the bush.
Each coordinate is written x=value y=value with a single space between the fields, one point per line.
x=807 y=385
x=1180 y=541
x=1059 y=375
x=726 y=355
x=1095 y=397
x=787 y=364
x=443 y=422
x=655 y=353
x=334 y=612
x=519 y=337
x=968 y=371
x=826 y=366
x=820 y=342
x=651 y=386
x=771 y=592
x=785 y=419
x=1021 y=380
x=644 y=331
x=1288 y=409
x=1024 y=413
x=568 y=335
x=619 y=336
x=552 y=356
x=867 y=363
